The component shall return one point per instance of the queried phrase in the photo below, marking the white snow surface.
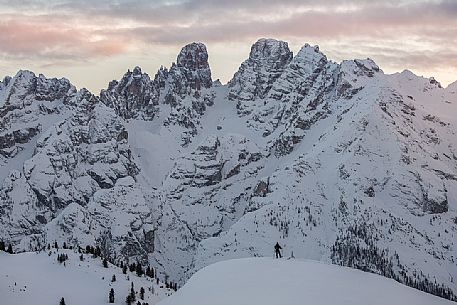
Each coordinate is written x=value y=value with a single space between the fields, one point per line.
x=37 y=278
x=267 y=281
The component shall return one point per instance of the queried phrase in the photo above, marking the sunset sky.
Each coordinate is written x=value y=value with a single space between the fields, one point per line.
x=92 y=42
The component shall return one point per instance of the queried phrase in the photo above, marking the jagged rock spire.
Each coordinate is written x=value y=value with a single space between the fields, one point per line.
x=256 y=75
x=193 y=60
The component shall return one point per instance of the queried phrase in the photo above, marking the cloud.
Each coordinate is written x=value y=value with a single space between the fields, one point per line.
x=51 y=40
x=422 y=32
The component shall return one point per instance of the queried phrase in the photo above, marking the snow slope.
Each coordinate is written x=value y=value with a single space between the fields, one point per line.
x=266 y=281
x=36 y=278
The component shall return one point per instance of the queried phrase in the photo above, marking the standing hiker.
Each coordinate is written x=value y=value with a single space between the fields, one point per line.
x=277 y=250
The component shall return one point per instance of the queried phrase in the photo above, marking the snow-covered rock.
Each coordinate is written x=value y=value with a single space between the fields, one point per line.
x=267 y=60
x=72 y=160
x=28 y=103
x=183 y=92
x=452 y=88
x=133 y=96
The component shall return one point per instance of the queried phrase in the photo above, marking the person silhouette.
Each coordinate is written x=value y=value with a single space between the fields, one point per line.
x=277 y=250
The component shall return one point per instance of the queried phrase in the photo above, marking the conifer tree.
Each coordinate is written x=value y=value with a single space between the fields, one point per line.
x=62 y=301
x=142 y=293
x=139 y=270
x=132 y=293
x=128 y=300
x=124 y=269
x=105 y=263
x=10 y=249
x=97 y=251
x=113 y=279
x=2 y=245
x=111 y=295
x=148 y=271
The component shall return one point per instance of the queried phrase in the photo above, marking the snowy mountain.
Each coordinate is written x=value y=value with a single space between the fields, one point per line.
x=264 y=281
x=38 y=278
x=339 y=162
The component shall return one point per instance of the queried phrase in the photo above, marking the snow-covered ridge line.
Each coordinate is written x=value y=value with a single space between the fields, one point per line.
x=264 y=281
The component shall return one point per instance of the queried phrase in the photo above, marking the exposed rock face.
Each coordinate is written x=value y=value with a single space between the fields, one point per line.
x=193 y=61
x=118 y=219
x=25 y=100
x=266 y=62
x=134 y=96
x=204 y=181
x=188 y=89
x=185 y=88
x=337 y=162
x=72 y=161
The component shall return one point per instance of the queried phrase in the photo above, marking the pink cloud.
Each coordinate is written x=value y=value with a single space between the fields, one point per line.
x=86 y=30
x=55 y=40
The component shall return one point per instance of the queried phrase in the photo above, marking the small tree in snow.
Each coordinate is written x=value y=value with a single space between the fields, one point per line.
x=111 y=295
x=139 y=270
x=62 y=301
x=113 y=279
x=132 y=293
x=142 y=293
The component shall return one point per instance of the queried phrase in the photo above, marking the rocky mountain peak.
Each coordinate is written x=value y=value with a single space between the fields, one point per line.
x=309 y=56
x=193 y=61
x=137 y=71
x=255 y=77
x=133 y=96
x=6 y=80
x=25 y=85
x=193 y=56
x=270 y=50
x=24 y=100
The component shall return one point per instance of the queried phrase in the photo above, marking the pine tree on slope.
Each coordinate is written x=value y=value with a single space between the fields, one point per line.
x=111 y=295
